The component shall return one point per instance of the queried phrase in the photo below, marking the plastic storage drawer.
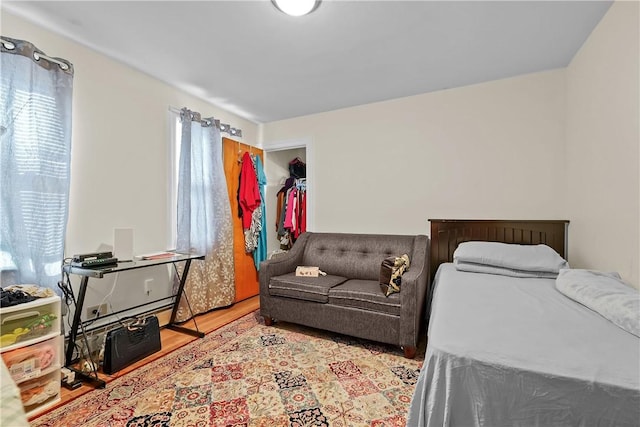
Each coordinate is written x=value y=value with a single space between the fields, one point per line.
x=39 y=392
x=33 y=361
x=30 y=322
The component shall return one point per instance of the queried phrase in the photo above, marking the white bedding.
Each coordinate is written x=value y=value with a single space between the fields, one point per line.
x=11 y=409
x=604 y=293
x=509 y=258
x=505 y=351
x=503 y=271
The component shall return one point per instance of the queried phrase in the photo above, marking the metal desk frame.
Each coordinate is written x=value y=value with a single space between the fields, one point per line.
x=99 y=273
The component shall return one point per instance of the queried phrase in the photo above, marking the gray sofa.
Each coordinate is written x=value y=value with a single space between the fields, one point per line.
x=348 y=299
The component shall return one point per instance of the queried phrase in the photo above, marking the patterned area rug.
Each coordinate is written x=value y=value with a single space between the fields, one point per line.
x=248 y=374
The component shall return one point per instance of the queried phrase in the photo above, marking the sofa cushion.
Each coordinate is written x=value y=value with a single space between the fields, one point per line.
x=305 y=288
x=356 y=256
x=364 y=294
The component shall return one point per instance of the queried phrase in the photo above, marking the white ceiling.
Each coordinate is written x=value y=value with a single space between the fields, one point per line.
x=250 y=59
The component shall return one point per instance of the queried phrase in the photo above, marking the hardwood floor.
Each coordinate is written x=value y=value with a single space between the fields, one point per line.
x=172 y=340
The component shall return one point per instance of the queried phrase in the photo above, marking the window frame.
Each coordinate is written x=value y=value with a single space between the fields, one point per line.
x=173 y=157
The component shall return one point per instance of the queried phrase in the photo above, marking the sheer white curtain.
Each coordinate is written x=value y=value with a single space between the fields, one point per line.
x=204 y=217
x=35 y=135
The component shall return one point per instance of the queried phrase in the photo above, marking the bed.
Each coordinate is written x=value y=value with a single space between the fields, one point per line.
x=11 y=410
x=508 y=351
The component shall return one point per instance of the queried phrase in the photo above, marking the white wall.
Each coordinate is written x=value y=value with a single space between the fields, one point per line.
x=493 y=150
x=602 y=146
x=119 y=163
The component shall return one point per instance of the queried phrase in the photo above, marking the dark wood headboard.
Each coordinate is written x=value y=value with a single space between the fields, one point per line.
x=447 y=234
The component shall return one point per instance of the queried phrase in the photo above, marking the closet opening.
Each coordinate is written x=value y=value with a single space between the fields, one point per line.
x=285 y=166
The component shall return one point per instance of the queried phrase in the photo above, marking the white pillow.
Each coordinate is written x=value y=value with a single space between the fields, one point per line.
x=509 y=256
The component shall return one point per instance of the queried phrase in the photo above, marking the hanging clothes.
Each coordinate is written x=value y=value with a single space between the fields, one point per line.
x=291 y=205
x=260 y=252
x=302 y=214
x=292 y=220
x=297 y=168
x=298 y=226
x=282 y=233
x=248 y=192
x=290 y=216
x=252 y=234
x=279 y=209
x=252 y=207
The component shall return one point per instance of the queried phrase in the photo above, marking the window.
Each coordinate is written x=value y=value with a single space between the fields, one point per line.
x=35 y=162
x=175 y=133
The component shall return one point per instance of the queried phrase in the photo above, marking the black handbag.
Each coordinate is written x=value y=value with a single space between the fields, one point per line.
x=130 y=343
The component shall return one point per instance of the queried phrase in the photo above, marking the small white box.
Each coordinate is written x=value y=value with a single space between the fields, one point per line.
x=123 y=244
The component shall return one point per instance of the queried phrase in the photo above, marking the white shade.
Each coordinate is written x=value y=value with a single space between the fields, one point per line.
x=296 y=7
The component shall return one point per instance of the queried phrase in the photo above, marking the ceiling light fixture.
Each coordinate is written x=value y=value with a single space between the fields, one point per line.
x=296 y=7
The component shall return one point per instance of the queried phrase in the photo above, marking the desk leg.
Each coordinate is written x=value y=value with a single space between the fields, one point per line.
x=95 y=381
x=73 y=333
x=174 y=312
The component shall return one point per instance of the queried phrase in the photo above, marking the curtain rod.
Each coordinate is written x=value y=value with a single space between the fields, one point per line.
x=223 y=126
x=10 y=46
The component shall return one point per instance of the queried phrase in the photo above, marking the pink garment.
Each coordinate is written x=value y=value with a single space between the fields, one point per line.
x=249 y=192
x=302 y=227
x=290 y=214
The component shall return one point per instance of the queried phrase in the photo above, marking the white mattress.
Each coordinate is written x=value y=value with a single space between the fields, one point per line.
x=514 y=351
